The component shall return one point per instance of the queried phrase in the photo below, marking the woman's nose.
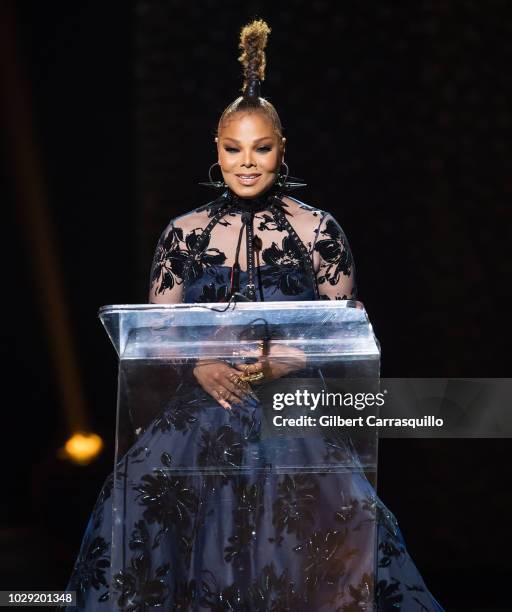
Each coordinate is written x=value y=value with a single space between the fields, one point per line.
x=247 y=159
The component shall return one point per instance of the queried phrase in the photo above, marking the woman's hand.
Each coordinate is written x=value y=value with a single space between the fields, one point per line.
x=280 y=361
x=222 y=382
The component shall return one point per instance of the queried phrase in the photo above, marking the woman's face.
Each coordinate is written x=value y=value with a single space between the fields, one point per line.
x=250 y=153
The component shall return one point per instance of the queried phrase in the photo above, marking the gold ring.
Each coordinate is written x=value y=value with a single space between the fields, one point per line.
x=252 y=377
x=236 y=380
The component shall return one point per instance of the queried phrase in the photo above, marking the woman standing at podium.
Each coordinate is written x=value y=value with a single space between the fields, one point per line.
x=300 y=543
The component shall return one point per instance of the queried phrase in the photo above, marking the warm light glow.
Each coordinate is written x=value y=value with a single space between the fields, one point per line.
x=82 y=447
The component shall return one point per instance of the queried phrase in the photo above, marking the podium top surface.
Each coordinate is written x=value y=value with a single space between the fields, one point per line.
x=338 y=328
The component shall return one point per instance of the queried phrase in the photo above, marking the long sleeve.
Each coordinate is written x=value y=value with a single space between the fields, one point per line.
x=166 y=280
x=333 y=262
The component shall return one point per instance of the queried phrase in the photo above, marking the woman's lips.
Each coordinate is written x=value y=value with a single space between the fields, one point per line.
x=248 y=179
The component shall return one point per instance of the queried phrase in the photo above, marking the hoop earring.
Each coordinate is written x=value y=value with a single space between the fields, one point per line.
x=282 y=180
x=212 y=183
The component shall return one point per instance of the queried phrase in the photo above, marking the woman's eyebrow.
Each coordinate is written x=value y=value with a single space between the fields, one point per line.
x=254 y=142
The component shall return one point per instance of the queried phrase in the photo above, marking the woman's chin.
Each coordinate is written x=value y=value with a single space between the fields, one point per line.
x=249 y=191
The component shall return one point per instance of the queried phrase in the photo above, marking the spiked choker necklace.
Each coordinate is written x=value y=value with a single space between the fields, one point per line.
x=262 y=202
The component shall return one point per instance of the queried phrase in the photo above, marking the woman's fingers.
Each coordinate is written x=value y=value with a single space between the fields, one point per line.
x=227 y=394
x=225 y=385
x=245 y=386
x=221 y=395
x=237 y=387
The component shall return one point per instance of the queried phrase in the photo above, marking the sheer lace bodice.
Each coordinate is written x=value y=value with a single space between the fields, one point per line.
x=296 y=252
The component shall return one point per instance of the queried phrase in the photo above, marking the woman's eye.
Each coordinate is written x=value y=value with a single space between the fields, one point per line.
x=231 y=149
x=265 y=149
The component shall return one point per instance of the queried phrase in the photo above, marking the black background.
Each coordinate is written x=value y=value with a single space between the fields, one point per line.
x=398 y=115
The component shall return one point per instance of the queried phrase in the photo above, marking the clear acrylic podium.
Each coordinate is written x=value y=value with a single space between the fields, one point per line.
x=268 y=506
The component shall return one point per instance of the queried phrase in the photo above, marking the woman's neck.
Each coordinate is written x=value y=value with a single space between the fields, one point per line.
x=258 y=203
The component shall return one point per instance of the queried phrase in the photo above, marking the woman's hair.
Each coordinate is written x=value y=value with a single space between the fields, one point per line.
x=253 y=40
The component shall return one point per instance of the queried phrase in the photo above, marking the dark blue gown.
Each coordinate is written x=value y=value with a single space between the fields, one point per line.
x=253 y=540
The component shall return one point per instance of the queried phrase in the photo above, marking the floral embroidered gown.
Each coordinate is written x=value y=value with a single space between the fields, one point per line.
x=246 y=541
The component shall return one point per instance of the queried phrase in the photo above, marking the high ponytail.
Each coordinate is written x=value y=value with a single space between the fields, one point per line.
x=253 y=40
